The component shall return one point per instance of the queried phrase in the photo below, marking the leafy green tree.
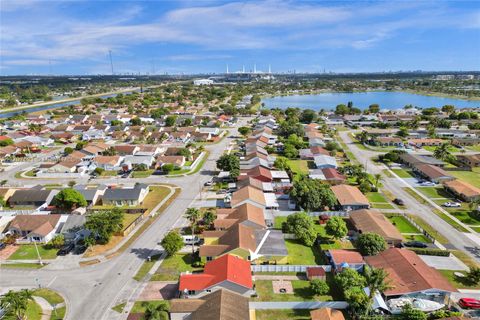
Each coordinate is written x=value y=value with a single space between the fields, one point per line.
x=290 y=151
x=99 y=171
x=442 y=152
x=136 y=121
x=6 y=142
x=336 y=227
x=370 y=244
x=308 y=116
x=193 y=215
x=80 y=145
x=115 y=123
x=303 y=226
x=69 y=199
x=227 y=162
x=172 y=243
x=58 y=241
x=448 y=108
x=170 y=121
x=185 y=152
x=349 y=278
x=234 y=173
x=474 y=275
x=104 y=224
x=168 y=167
x=158 y=113
x=68 y=150
x=357 y=300
x=16 y=302
x=286 y=128
x=244 y=131
x=410 y=313
x=342 y=110
x=281 y=163
x=312 y=195
x=319 y=287
x=374 y=108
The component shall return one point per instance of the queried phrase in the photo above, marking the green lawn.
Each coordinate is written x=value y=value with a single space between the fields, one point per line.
x=22 y=265
x=142 y=174
x=382 y=206
x=468 y=176
x=171 y=267
x=417 y=237
x=404 y=173
x=474 y=148
x=403 y=225
x=450 y=148
x=128 y=218
x=119 y=307
x=425 y=226
x=282 y=314
x=460 y=283
x=434 y=192
x=145 y=268
x=464 y=215
x=28 y=252
x=376 y=197
x=301 y=254
x=51 y=296
x=301 y=292
x=298 y=166
x=109 y=173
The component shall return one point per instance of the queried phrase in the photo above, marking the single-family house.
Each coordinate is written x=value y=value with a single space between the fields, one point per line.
x=350 y=197
x=34 y=197
x=409 y=275
x=412 y=159
x=470 y=160
x=249 y=195
x=432 y=173
x=341 y=258
x=373 y=221
x=126 y=196
x=323 y=161
x=462 y=189
x=219 y=305
x=109 y=163
x=178 y=161
x=126 y=150
x=425 y=142
x=227 y=272
x=35 y=228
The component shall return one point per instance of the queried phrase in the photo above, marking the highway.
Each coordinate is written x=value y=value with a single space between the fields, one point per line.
x=91 y=291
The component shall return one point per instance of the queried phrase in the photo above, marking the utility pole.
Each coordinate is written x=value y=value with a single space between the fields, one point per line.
x=111 y=61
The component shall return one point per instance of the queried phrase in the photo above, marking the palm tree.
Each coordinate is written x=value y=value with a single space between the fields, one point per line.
x=442 y=152
x=376 y=281
x=193 y=215
x=377 y=178
x=16 y=302
x=153 y=312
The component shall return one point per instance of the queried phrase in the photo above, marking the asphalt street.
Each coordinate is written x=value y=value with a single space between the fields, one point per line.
x=91 y=291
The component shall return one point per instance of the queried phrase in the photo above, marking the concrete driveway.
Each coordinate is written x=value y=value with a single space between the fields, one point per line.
x=444 y=263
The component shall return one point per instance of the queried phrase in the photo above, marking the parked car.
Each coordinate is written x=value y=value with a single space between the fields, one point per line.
x=79 y=249
x=415 y=244
x=208 y=183
x=66 y=249
x=469 y=303
x=223 y=191
x=191 y=240
x=2 y=245
x=399 y=202
x=452 y=204
x=427 y=184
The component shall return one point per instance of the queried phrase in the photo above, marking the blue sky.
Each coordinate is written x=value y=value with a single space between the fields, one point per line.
x=74 y=37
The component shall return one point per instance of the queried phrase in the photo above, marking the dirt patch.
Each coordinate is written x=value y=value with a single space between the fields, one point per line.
x=282 y=287
x=8 y=251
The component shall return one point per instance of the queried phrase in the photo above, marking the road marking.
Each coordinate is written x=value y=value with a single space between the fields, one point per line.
x=52 y=281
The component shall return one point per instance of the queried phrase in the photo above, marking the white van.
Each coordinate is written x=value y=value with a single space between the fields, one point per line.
x=191 y=240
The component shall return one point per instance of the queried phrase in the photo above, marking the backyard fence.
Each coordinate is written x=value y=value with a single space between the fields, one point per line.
x=425 y=233
x=195 y=163
x=287 y=268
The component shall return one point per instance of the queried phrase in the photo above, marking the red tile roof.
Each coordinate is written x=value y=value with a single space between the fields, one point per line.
x=226 y=268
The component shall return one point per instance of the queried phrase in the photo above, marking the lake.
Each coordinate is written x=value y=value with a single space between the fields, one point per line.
x=386 y=100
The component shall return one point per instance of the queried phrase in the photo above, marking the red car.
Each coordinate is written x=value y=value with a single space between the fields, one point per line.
x=469 y=303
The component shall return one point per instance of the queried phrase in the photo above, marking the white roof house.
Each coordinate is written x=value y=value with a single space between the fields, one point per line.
x=271 y=201
x=323 y=161
x=316 y=142
x=279 y=175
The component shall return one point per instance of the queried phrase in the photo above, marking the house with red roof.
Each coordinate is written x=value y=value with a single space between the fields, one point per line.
x=227 y=272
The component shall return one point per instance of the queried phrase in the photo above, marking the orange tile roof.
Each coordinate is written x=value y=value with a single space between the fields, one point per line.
x=326 y=314
x=407 y=272
x=226 y=268
x=349 y=195
x=462 y=187
x=248 y=193
x=374 y=221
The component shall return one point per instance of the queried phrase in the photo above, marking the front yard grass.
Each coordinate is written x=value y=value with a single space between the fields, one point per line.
x=171 y=267
x=154 y=197
x=33 y=312
x=376 y=197
x=28 y=252
x=141 y=306
x=282 y=314
x=51 y=296
x=128 y=218
x=403 y=225
x=146 y=267
x=21 y=265
x=471 y=177
x=434 y=192
x=142 y=174
x=404 y=173
x=382 y=206
x=301 y=292
x=109 y=173
x=459 y=283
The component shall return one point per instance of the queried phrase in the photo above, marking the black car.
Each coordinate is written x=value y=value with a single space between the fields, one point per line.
x=415 y=244
x=2 y=245
x=399 y=202
x=79 y=249
x=66 y=249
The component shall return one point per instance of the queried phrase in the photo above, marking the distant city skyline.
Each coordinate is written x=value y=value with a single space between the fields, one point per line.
x=191 y=37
